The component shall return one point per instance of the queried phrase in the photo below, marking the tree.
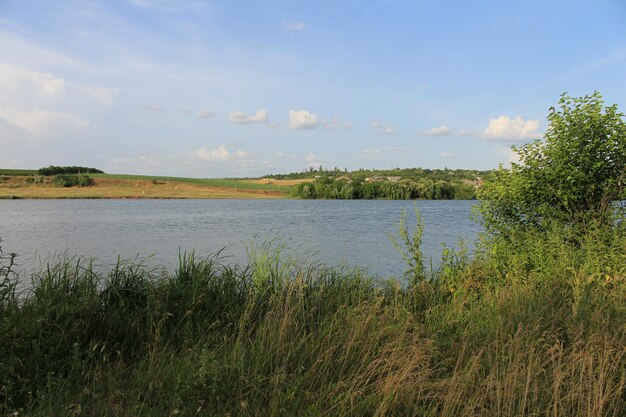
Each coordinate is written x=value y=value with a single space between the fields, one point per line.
x=572 y=176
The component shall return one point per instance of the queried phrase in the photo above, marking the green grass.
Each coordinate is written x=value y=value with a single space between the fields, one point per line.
x=231 y=183
x=18 y=172
x=533 y=325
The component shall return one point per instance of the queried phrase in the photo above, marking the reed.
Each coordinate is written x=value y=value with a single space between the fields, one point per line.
x=530 y=326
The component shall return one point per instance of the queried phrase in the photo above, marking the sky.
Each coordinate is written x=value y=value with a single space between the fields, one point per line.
x=248 y=88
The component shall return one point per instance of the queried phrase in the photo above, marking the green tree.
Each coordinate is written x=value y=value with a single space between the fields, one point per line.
x=572 y=176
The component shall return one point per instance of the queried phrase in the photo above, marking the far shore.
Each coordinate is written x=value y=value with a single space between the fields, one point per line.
x=19 y=187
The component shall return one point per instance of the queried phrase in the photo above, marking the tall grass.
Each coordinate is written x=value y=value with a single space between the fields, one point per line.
x=530 y=326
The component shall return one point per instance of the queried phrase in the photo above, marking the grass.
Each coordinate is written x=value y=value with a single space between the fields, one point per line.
x=11 y=172
x=213 y=182
x=534 y=325
x=128 y=186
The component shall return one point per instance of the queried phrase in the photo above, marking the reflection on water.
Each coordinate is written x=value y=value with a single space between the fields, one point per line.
x=333 y=232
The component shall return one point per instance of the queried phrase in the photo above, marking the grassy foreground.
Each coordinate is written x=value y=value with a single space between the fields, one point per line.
x=534 y=325
x=137 y=186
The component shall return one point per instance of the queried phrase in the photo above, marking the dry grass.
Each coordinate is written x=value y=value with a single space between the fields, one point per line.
x=18 y=187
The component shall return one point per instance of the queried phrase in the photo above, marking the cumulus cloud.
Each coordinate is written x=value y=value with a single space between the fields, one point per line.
x=218 y=154
x=39 y=105
x=205 y=114
x=239 y=117
x=442 y=130
x=219 y=159
x=16 y=80
x=506 y=129
x=39 y=122
x=20 y=88
x=302 y=119
x=295 y=26
x=313 y=160
x=153 y=107
x=336 y=124
x=384 y=128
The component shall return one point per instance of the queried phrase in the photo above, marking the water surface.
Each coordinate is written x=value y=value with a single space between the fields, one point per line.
x=354 y=232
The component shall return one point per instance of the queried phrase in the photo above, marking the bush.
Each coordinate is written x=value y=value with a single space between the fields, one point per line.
x=72 y=180
x=57 y=170
x=571 y=177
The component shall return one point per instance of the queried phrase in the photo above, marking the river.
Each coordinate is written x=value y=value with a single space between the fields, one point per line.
x=333 y=232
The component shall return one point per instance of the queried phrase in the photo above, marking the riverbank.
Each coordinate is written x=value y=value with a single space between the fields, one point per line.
x=532 y=325
x=104 y=186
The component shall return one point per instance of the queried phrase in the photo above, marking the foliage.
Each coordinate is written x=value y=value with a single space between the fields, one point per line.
x=573 y=176
x=449 y=175
x=328 y=187
x=72 y=180
x=18 y=172
x=8 y=281
x=58 y=170
x=409 y=244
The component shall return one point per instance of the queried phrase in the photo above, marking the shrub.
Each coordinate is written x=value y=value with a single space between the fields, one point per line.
x=57 y=170
x=572 y=176
x=72 y=180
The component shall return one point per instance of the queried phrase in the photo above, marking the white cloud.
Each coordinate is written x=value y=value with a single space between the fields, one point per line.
x=218 y=154
x=442 y=130
x=302 y=119
x=39 y=104
x=183 y=164
x=20 y=87
x=511 y=156
x=205 y=114
x=154 y=107
x=506 y=129
x=239 y=117
x=313 y=160
x=295 y=26
x=39 y=122
x=374 y=152
x=384 y=128
x=336 y=124
x=29 y=82
x=447 y=155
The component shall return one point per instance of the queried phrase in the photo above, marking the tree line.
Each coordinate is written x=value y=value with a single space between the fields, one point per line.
x=64 y=170
x=450 y=175
x=328 y=187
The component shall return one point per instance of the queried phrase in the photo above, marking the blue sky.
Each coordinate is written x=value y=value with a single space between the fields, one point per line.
x=246 y=88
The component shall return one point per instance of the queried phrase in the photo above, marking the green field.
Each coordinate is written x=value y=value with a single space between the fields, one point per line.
x=140 y=186
x=18 y=172
x=214 y=182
